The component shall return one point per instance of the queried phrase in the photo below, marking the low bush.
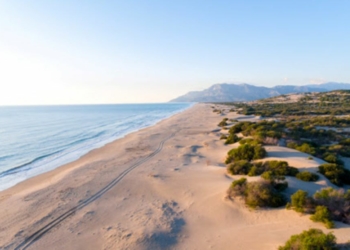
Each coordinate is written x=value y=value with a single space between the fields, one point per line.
x=307 y=176
x=281 y=186
x=322 y=215
x=293 y=145
x=250 y=141
x=232 y=138
x=239 y=167
x=311 y=239
x=256 y=194
x=263 y=194
x=276 y=168
x=223 y=123
x=239 y=127
x=277 y=181
x=246 y=152
x=280 y=168
x=301 y=202
x=237 y=188
x=331 y=158
x=306 y=148
x=345 y=142
x=223 y=137
x=335 y=173
x=254 y=170
x=336 y=201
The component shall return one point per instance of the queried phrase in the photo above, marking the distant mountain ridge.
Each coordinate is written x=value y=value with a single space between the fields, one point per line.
x=225 y=92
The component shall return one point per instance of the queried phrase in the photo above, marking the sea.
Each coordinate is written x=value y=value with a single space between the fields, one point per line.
x=36 y=139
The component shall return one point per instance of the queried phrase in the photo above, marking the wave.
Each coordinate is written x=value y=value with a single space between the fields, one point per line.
x=22 y=167
x=66 y=142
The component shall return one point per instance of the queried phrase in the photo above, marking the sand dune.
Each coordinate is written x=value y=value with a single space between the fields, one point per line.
x=163 y=187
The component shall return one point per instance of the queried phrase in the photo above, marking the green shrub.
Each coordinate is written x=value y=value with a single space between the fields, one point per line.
x=223 y=123
x=223 y=137
x=239 y=127
x=309 y=240
x=249 y=141
x=301 y=202
x=239 y=167
x=335 y=173
x=263 y=194
x=277 y=181
x=259 y=152
x=256 y=194
x=345 y=142
x=337 y=202
x=307 y=176
x=246 y=152
x=293 y=145
x=277 y=169
x=232 y=138
x=322 y=215
x=271 y=176
x=239 y=182
x=254 y=171
x=306 y=148
x=280 y=168
x=331 y=158
x=280 y=186
x=292 y=171
x=237 y=188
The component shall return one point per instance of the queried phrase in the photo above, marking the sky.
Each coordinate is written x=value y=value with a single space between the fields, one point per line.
x=141 y=51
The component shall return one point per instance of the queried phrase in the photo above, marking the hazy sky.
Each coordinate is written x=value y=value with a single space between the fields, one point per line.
x=60 y=52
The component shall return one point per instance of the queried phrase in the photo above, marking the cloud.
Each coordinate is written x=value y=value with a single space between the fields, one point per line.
x=286 y=79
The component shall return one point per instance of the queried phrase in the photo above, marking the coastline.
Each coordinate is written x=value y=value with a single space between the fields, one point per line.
x=71 y=155
x=161 y=187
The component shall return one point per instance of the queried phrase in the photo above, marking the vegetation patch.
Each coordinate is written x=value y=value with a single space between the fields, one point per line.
x=322 y=215
x=223 y=137
x=250 y=141
x=277 y=168
x=311 y=239
x=326 y=205
x=294 y=131
x=307 y=176
x=336 y=201
x=223 y=123
x=232 y=138
x=257 y=194
x=336 y=173
x=246 y=152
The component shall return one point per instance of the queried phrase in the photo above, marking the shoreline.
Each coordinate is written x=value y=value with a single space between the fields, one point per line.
x=71 y=159
x=162 y=187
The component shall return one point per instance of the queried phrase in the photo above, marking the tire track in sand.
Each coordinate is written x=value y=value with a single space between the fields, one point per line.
x=45 y=229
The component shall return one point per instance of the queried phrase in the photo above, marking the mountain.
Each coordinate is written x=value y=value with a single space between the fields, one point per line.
x=332 y=85
x=225 y=92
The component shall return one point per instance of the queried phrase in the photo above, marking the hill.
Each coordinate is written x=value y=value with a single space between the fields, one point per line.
x=225 y=92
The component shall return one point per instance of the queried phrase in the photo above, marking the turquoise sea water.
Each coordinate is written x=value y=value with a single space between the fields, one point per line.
x=36 y=139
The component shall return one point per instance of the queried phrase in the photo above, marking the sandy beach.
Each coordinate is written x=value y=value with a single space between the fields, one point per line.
x=163 y=187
